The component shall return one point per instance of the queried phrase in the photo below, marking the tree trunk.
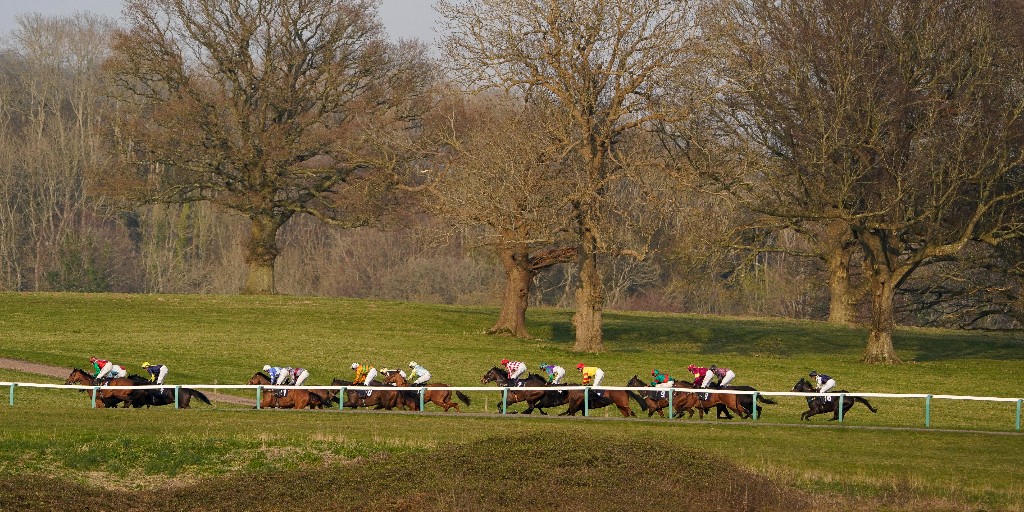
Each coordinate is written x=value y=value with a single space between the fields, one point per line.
x=840 y=308
x=260 y=254
x=880 y=349
x=518 y=276
x=589 y=299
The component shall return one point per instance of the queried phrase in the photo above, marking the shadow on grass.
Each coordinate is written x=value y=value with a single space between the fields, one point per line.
x=631 y=333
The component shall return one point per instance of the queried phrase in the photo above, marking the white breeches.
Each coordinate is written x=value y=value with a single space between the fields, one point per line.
x=105 y=370
x=422 y=378
x=559 y=373
x=827 y=385
x=707 y=379
x=519 y=371
x=284 y=378
x=370 y=375
x=598 y=375
x=162 y=375
x=665 y=384
x=118 y=372
x=302 y=378
x=729 y=376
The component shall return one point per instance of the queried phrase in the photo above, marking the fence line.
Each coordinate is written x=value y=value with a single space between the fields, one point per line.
x=504 y=390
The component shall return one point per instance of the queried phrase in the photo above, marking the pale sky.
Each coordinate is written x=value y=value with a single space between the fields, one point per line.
x=402 y=18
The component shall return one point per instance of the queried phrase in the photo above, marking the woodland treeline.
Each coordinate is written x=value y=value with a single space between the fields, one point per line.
x=856 y=161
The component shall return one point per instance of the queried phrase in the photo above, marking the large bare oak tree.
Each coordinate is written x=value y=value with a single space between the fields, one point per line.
x=255 y=106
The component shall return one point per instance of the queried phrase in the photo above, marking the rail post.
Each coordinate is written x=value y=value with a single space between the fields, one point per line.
x=753 y=405
x=586 y=402
x=504 y=400
x=177 y=395
x=11 y=398
x=1018 y=413
x=95 y=389
x=927 y=411
x=259 y=396
x=422 y=392
x=671 y=410
x=341 y=398
x=842 y=398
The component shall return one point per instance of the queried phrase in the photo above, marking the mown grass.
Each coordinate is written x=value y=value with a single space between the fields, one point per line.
x=218 y=339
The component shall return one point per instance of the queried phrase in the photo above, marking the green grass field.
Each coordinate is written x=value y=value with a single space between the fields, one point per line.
x=235 y=458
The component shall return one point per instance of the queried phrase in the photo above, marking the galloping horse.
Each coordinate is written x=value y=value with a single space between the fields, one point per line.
x=607 y=397
x=326 y=396
x=439 y=397
x=653 y=398
x=165 y=396
x=113 y=392
x=819 y=405
x=380 y=399
x=294 y=399
x=693 y=400
x=538 y=399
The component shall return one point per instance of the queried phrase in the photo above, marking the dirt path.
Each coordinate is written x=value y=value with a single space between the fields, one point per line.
x=61 y=373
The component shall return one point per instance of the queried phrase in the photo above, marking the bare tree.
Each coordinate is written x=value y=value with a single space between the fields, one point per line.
x=257 y=107
x=605 y=65
x=891 y=123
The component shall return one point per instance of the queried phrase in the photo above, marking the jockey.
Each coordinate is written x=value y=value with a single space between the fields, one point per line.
x=299 y=375
x=365 y=373
x=725 y=375
x=592 y=375
x=555 y=372
x=701 y=377
x=279 y=376
x=514 y=369
x=157 y=372
x=823 y=383
x=662 y=381
x=106 y=369
x=421 y=374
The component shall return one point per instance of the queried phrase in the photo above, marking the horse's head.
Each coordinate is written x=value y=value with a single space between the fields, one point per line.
x=494 y=374
x=802 y=386
x=394 y=377
x=80 y=377
x=339 y=382
x=635 y=382
x=259 y=378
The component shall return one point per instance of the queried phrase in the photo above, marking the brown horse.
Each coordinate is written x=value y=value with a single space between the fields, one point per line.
x=615 y=397
x=113 y=391
x=293 y=399
x=656 y=399
x=165 y=396
x=326 y=396
x=535 y=399
x=378 y=399
x=704 y=401
x=439 y=397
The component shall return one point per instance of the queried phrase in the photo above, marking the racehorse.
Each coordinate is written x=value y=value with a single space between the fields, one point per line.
x=165 y=396
x=537 y=399
x=607 y=397
x=439 y=397
x=653 y=398
x=113 y=391
x=819 y=405
x=327 y=396
x=293 y=399
x=379 y=399
x=703 y=401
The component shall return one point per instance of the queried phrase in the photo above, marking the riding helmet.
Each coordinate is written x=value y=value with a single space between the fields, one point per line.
x=812 y=374
x=266 y=367
x=579 y=367
x=712 y=368
x=654 y=371
x=92 y=359
x=692 y=367
x=412 y=364
x=542 y=365
x=146 y=364
x=504 y=361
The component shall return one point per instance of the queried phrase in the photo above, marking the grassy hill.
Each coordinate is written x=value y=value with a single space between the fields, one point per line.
x=53 y=438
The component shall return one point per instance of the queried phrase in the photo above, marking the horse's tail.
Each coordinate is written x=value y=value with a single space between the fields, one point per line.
x=866 y=403
x=199 y=394
x=765 y=400
x=639 y=400
x=463 y=397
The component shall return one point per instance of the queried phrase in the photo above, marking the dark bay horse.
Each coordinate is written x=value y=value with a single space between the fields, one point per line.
x=294 y=399
x=165 y=396
x=328 y=396
x=819 y=405
x=615 y=397
x=695 y=400
x=379 y=399
x=432 y=393
x=114 y=391
x=656 y=399
x=535 y=399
